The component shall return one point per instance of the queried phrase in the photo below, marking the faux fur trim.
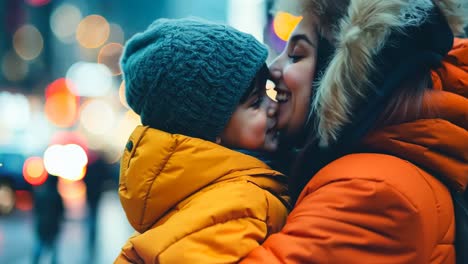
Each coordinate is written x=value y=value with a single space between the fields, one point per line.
x=456 y=12
x=359 y=29
x=362 y=33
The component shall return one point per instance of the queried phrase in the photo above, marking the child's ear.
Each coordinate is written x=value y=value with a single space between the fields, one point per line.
x=218 y=140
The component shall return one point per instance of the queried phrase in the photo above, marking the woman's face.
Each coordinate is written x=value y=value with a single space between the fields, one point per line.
x=293 y=72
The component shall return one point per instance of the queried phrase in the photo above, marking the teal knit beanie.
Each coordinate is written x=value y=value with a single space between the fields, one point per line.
x=187 y=76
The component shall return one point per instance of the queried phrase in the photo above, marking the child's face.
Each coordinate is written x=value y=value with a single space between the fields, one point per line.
x=253 y=124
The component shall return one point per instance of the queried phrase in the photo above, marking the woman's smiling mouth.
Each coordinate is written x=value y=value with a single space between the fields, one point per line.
x=282 y=96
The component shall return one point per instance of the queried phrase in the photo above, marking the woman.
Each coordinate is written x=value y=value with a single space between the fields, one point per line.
x=381 y=134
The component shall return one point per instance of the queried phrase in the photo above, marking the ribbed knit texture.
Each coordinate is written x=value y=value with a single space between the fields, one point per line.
x=187 y=76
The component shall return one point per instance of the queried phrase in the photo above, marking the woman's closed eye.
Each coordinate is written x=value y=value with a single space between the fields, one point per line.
x=295 y=58
x=298 y=49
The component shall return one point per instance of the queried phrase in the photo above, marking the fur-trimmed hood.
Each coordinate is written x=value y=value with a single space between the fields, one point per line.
x=360 y=30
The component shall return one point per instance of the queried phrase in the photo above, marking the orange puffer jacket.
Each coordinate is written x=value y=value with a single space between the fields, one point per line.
x=385 y=206
x=193 y=201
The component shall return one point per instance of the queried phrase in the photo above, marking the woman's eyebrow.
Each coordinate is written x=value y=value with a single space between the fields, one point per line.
x=296 y=38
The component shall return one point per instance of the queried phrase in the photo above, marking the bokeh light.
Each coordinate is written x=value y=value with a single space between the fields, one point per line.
x=127 y=123
x=93 y=31
x=35 y=137
x=70 y=137
x=34 y=171
x=90 y=79
x=66 y=161
x=97 y=116
x=109 y=55
x=71 y=189
x=60 y=109
x=15 y=111
x=60 y=85
x=64 y=22
x=28 y=42
x=6 y=136
x=7 y=199
x=122 y=97
x=73 y=194
x=117 y=34
x=284 y=24
x=113 y=154
x=37 y=3
x=247 y=16
x=61 y=106
x=24 y=200
x=14 y=68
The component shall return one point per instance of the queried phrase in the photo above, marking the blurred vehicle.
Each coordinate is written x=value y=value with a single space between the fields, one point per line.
x=11 y=180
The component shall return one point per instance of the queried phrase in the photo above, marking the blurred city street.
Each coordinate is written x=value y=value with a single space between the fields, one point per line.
x=17 y=235
x=65 y=121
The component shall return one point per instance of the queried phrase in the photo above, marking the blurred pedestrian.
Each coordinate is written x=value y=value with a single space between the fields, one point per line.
x=98 y=171
x=48 y=216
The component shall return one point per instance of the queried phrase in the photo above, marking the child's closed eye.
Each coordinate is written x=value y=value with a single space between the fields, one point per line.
x=256 y=102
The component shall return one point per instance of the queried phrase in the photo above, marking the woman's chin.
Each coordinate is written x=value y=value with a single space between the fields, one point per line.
x=283 y=121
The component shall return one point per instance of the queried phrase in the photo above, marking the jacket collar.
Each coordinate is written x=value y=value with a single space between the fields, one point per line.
x=438 y=142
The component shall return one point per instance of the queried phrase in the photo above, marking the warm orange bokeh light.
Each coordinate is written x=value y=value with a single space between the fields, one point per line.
x=71 y=190
x=34 y=171
x=73 y=194
x=284 y=23
x=61 y=109
x=24 y=201
x=109 y=55
x=61 y=106
x=78 y=176
x=60 y=85
x=93 y=31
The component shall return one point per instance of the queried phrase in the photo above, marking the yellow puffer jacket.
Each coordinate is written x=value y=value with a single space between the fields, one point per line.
x=193 y=201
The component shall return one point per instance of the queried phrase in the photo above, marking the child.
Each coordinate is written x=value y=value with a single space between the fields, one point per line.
x=198 y=87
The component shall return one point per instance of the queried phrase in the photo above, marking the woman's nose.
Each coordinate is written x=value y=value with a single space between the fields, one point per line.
x=275 y=68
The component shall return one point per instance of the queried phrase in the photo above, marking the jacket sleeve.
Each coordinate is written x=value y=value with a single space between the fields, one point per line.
x=220 y=243
x=128 y=254
x=347 y=221
x=203 y=233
